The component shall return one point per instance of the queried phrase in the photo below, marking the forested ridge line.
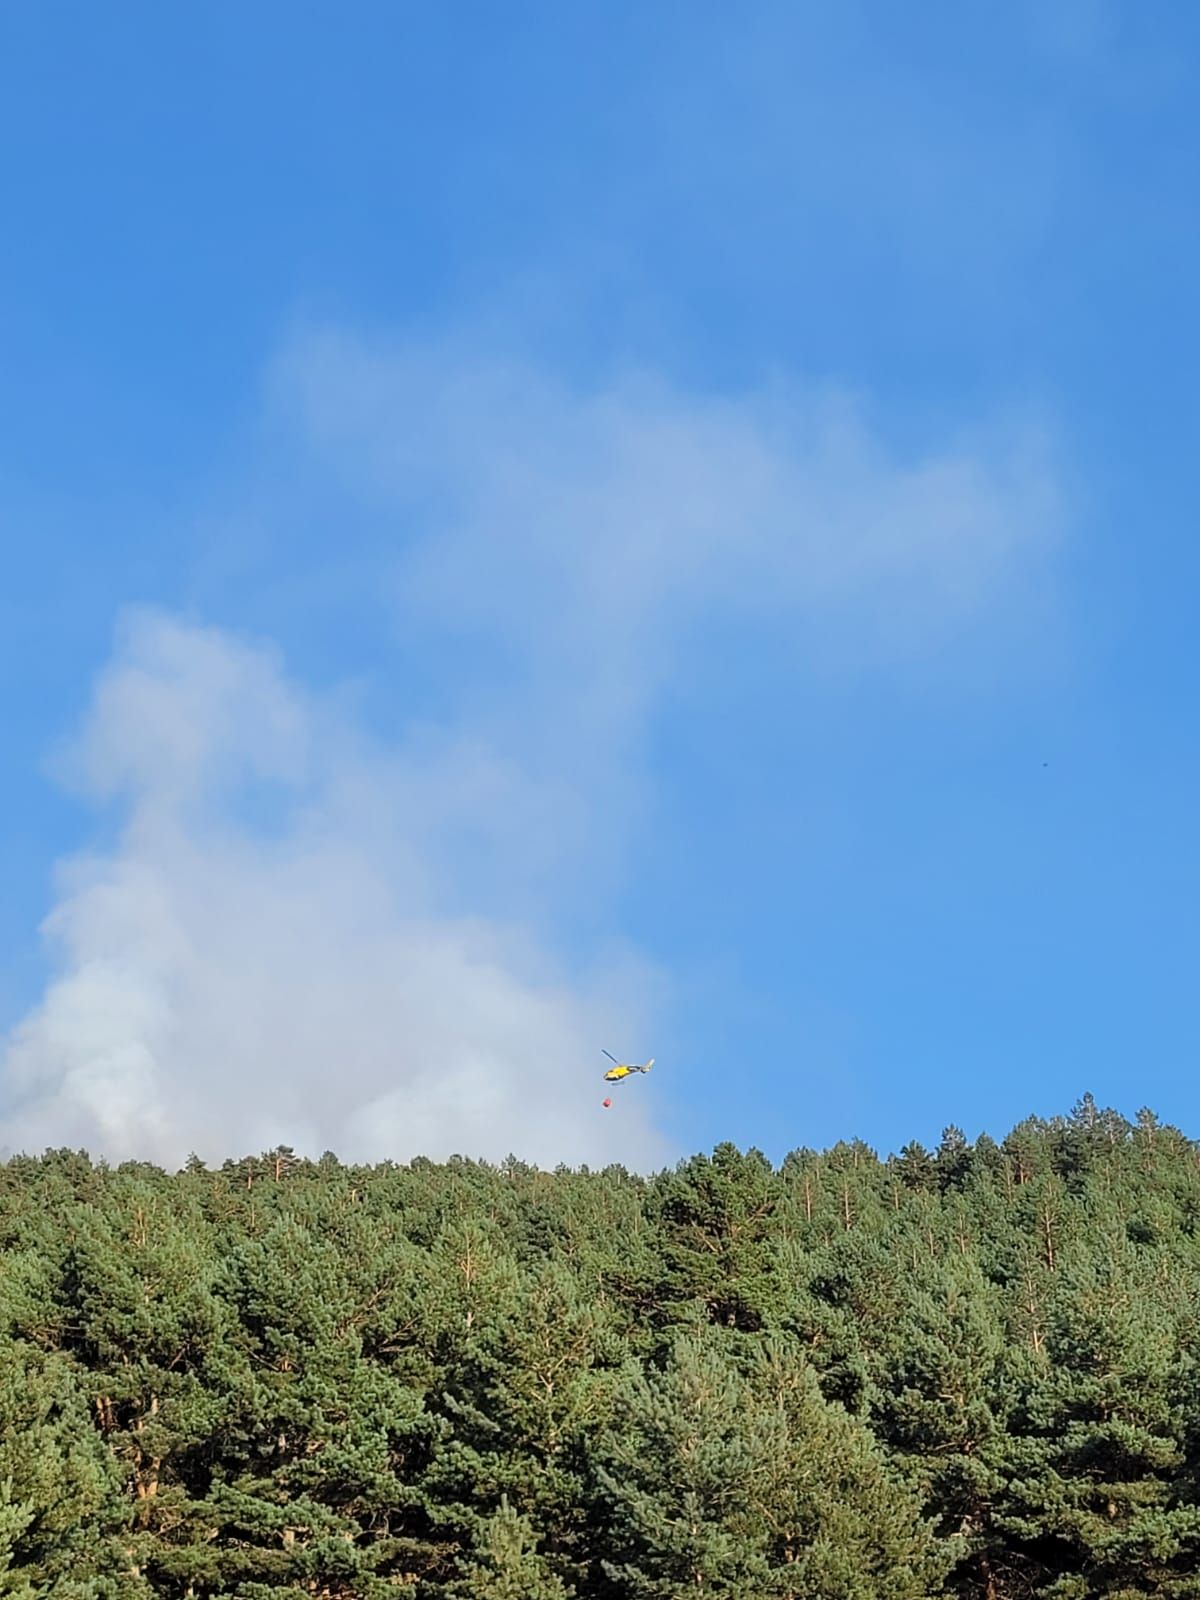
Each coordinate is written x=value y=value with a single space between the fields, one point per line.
x=963 y=1372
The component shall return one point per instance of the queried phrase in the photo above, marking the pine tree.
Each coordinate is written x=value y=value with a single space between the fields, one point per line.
x=64 y=1517
x=678 y=1478
x=946 y=1387
x=953 y=1159
x=315 y=1484
x=842 y=1525
x=916 y=1167
x=730 y=1474
x=505 y=1565
x=1093 y=1498
x=715 y=1217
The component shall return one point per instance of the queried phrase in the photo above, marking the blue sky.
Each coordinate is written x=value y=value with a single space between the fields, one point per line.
x=698 y=511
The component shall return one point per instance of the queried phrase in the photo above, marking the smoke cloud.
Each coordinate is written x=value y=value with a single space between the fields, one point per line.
x=261 y=957
x=300 y=934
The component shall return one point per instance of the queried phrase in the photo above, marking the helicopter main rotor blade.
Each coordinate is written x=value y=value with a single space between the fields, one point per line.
x=610 y=1056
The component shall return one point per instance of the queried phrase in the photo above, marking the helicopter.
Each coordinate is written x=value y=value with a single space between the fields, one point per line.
x=622 y=1069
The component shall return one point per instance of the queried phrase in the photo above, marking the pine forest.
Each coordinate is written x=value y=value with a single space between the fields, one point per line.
x=967 y=1372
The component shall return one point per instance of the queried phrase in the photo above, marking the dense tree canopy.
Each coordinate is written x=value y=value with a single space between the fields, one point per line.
x=968 y=1372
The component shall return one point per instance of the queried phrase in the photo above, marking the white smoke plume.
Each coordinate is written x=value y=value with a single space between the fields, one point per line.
x=260 y=959
x=300 y=936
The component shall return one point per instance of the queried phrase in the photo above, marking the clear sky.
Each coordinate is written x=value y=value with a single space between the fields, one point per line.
x=538 y=528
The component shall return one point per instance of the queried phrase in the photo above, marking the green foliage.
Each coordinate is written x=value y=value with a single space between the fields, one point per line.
x=972 y=1372
x=729 y=1473
x=504 y=1563
x=64 y=1519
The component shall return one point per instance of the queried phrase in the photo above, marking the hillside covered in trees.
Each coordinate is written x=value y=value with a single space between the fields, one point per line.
x=970 y=1372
